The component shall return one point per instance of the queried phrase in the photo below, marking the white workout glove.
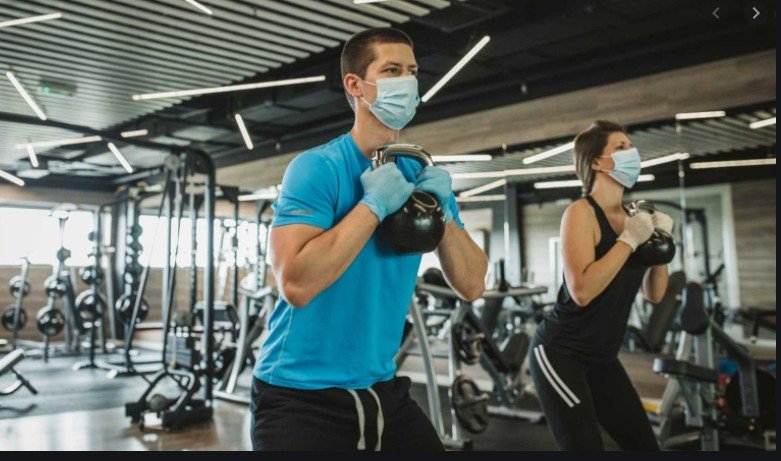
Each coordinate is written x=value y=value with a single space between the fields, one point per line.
x=385 y=189
x=637 y=229
x=662 y=221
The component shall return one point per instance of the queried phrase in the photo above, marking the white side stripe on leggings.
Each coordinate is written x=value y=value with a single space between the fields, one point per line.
x=553 y=378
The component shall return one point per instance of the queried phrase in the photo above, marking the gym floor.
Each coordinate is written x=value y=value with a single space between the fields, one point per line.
x=83 y=410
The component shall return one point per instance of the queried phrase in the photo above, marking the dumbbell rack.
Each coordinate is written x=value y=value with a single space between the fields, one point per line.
x=454 y=438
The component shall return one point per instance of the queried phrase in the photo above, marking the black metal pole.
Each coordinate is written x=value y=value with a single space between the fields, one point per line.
x=208 y=274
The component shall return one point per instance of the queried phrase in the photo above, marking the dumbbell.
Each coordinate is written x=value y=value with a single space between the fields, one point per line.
x=15 y=285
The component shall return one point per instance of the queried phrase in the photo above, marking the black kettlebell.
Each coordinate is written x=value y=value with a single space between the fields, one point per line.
x=419 y=225
x=659 y=248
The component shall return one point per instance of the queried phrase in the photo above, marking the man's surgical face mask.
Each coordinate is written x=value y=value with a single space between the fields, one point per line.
x=627 y=167
x=397 y=101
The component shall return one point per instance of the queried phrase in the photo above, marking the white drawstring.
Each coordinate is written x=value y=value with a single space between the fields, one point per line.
x=361 y=418
x=380 y=419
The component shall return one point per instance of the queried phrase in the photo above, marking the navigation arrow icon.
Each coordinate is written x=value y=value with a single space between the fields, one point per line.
x=756 y=12
x=715 y=12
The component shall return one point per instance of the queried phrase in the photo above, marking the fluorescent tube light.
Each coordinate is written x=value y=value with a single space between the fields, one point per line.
x=199 y=6
x=482 y=198
x=244 y=133
x=579 y=183
x=665 y=159
x=29 y=20
x=134 y=133
x=25 y=95
x=762 y=123
x=696 y=115
x=12 y=178
x=483 y=188
x=459 y=65
x=120 y=157
x=462 y=158
x=225 y=89
x=33 y=157
x=733 y=163
x=549 y=153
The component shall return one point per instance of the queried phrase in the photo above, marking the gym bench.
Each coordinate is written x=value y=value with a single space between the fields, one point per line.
x=7 y=364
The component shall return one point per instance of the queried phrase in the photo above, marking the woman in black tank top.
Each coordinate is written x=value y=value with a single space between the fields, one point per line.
x=574 y=355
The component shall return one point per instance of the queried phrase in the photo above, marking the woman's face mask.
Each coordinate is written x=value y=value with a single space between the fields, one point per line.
x=627 y=167
x=397 y=100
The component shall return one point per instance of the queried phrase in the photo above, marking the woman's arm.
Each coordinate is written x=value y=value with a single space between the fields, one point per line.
x=586 y=277
x=655 y=283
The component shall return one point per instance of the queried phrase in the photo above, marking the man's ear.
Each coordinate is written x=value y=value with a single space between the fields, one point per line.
x=350 y=83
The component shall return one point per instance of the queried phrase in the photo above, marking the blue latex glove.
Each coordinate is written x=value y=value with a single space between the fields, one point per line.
x=385 y=190
x=437 y=181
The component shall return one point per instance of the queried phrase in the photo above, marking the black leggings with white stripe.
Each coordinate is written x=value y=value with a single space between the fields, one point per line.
x=579 y=396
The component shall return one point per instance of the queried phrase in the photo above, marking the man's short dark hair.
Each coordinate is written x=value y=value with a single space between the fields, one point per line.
x=358 y=51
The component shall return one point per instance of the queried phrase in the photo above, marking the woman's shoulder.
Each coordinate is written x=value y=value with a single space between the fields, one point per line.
x=580 y=207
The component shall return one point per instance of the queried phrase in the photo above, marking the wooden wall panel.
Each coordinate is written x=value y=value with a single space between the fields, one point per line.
x=732 y=82
x=754 y=208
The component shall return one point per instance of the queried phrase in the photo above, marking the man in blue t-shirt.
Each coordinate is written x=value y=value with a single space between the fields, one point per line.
x=326 y=378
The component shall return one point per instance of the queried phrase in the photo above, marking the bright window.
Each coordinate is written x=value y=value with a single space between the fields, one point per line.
x=33 y=233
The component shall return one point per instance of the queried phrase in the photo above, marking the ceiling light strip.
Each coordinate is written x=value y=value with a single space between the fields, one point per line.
x=226 y=89
x=762 y=123
x=483 y=188
x=462 y=158
x=25 y=95
x=120 y=157
x=33 y=157
x=549 y=153
x=11 y=178
x=244 y=132
x=699 y=115
x=459 y=65
x=30 y=20
x=733 y=163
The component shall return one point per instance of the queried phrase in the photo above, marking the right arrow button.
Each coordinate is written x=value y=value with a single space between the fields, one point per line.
x=755 y=12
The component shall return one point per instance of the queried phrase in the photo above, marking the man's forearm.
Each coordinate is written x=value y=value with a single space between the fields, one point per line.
x=325 y=258
x=463 y=262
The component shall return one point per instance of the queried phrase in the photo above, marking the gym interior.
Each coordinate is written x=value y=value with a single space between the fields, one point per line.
x=143 y=146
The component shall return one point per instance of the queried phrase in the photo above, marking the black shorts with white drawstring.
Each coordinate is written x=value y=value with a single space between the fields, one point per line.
x=579 y=395
x=382 y=417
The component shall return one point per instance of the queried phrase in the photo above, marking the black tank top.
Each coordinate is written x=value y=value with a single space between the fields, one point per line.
x=596 y=330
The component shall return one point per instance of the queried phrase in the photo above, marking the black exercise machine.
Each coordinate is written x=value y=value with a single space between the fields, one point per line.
x=187 y=360
x=747 y=418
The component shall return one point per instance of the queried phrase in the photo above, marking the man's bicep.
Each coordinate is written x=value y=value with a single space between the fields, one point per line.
x=287 y=241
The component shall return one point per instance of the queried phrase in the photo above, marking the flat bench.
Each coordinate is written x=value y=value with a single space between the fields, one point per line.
x=7 y=364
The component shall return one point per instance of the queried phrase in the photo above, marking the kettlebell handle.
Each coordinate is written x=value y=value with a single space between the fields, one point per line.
x=641 y=205
x=386 y=152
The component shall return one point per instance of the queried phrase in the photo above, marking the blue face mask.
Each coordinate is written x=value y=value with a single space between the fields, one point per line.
x=627 y=167
x=397 y=99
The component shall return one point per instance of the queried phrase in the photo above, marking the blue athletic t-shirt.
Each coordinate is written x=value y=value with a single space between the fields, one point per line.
x=348 y=335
